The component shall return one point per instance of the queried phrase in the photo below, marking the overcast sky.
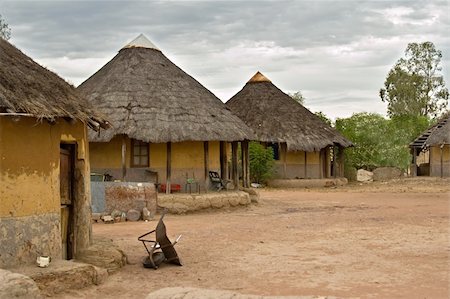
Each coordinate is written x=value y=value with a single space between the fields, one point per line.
x=337 y=53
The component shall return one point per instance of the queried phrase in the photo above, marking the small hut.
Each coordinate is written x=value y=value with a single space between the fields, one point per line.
x=431 y=151
x=44 y=168
x=167 y=127
x=303 y=144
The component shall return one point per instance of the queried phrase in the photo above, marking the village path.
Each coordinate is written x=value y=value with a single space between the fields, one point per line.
x=381 y=240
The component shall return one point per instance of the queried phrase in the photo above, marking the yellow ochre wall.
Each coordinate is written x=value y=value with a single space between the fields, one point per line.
x=187 y=160
x=435 y=161
x=295 y=165
x=30 y=191
x=29 y=164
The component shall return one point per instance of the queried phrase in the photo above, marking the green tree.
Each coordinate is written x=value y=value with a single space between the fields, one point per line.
x=298 y=97
x=414 y=86
x=261 y=162
x=5 y=31
x=379 y=141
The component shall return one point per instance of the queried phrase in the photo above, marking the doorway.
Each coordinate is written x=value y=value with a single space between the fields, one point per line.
x=66 y=178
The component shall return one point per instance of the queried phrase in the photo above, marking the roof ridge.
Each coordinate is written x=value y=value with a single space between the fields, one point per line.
x=141 y=41
x=258 y=77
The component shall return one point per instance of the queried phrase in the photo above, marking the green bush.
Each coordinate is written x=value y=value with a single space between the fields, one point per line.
x=379 y=141
x=261 y=162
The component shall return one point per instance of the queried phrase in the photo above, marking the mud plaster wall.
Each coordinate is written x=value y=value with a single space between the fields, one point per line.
x=29 y=188
x=187 y=160
x=126 y=196
x=295 y=165
x=435 y=161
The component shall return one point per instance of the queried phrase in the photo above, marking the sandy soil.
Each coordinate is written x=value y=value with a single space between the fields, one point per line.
x=379 y=240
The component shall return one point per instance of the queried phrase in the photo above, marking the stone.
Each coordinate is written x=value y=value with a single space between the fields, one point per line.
x=146 y=214
x=105 y=254
x=387 y=173
x=14 y=285
x=101 y=275
x=116 y=213
x=364 y=175
x=133 y=215
x=108 y=219
x=254 y=195
x=96 y=217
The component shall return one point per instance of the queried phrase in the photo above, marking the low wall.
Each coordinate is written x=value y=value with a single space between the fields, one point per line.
x=183 y=203
x=307 y=183
x=123 y=196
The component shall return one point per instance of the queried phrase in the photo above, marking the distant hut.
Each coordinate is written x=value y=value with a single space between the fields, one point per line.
x=301 y=140
x=44 y=169
x=167 y=127
x=431 y=151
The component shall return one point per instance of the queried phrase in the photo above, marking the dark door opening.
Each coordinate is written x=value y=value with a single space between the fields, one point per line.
x=67 y=161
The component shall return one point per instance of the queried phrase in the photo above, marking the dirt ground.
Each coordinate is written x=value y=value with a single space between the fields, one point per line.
x=379 y=240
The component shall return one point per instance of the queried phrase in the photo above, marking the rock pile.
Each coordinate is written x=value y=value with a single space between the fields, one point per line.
x=122 y=216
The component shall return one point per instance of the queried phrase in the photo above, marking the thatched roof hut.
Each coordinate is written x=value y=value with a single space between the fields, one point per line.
x=149 y=98
x=28 y=89
x=437 y=134
x=276 y=117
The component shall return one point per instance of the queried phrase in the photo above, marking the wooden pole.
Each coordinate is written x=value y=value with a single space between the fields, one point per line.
x=414 y=162
x=284 y=151
x=124 y=154
x=334 y=162
x=234 y=163
x=168 y=166
x=245 y=165
x=223 y=160
x=206 y=162
x=442 y=160
x=321 y=163
x=306 y=165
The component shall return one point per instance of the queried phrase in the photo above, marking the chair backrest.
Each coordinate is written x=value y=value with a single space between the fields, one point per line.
x=214 y=176
x=165 y=244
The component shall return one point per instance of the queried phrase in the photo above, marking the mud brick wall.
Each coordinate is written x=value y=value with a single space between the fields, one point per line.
x=125 y=196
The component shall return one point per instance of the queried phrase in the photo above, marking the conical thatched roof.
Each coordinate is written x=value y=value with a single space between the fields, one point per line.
x=28 y=89
x=149 y=98
x=437 y=134
x=276 y=117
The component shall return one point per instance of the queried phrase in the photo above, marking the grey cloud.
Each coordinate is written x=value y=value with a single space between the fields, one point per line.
x=219 y=42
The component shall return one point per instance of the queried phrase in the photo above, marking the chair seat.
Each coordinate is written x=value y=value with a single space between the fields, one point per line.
x=158 y=259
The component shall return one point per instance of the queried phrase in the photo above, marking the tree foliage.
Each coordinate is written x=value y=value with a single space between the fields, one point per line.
x=5 y=31
x=298 y=97
x=379 y=141
x=414 y=86
x=261 y=162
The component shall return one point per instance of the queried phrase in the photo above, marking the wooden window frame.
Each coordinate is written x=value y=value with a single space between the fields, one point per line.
x=133 y=154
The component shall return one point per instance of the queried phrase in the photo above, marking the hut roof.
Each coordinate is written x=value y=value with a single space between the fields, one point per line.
x=149 y=98
x=437 y=134
x=28 y=89
x=276 y=117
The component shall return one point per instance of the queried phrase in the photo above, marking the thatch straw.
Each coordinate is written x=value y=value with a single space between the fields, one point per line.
x=149 y=98
x=26 y=88
x=437 y=134
x=276 y=117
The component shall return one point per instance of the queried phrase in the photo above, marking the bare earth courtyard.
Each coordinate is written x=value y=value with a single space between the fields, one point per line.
x=381 y=240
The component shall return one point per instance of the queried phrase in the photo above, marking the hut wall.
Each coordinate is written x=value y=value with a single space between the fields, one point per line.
x=295 y=165
x=435 y=161
x=187 y=161
x=30 y=209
